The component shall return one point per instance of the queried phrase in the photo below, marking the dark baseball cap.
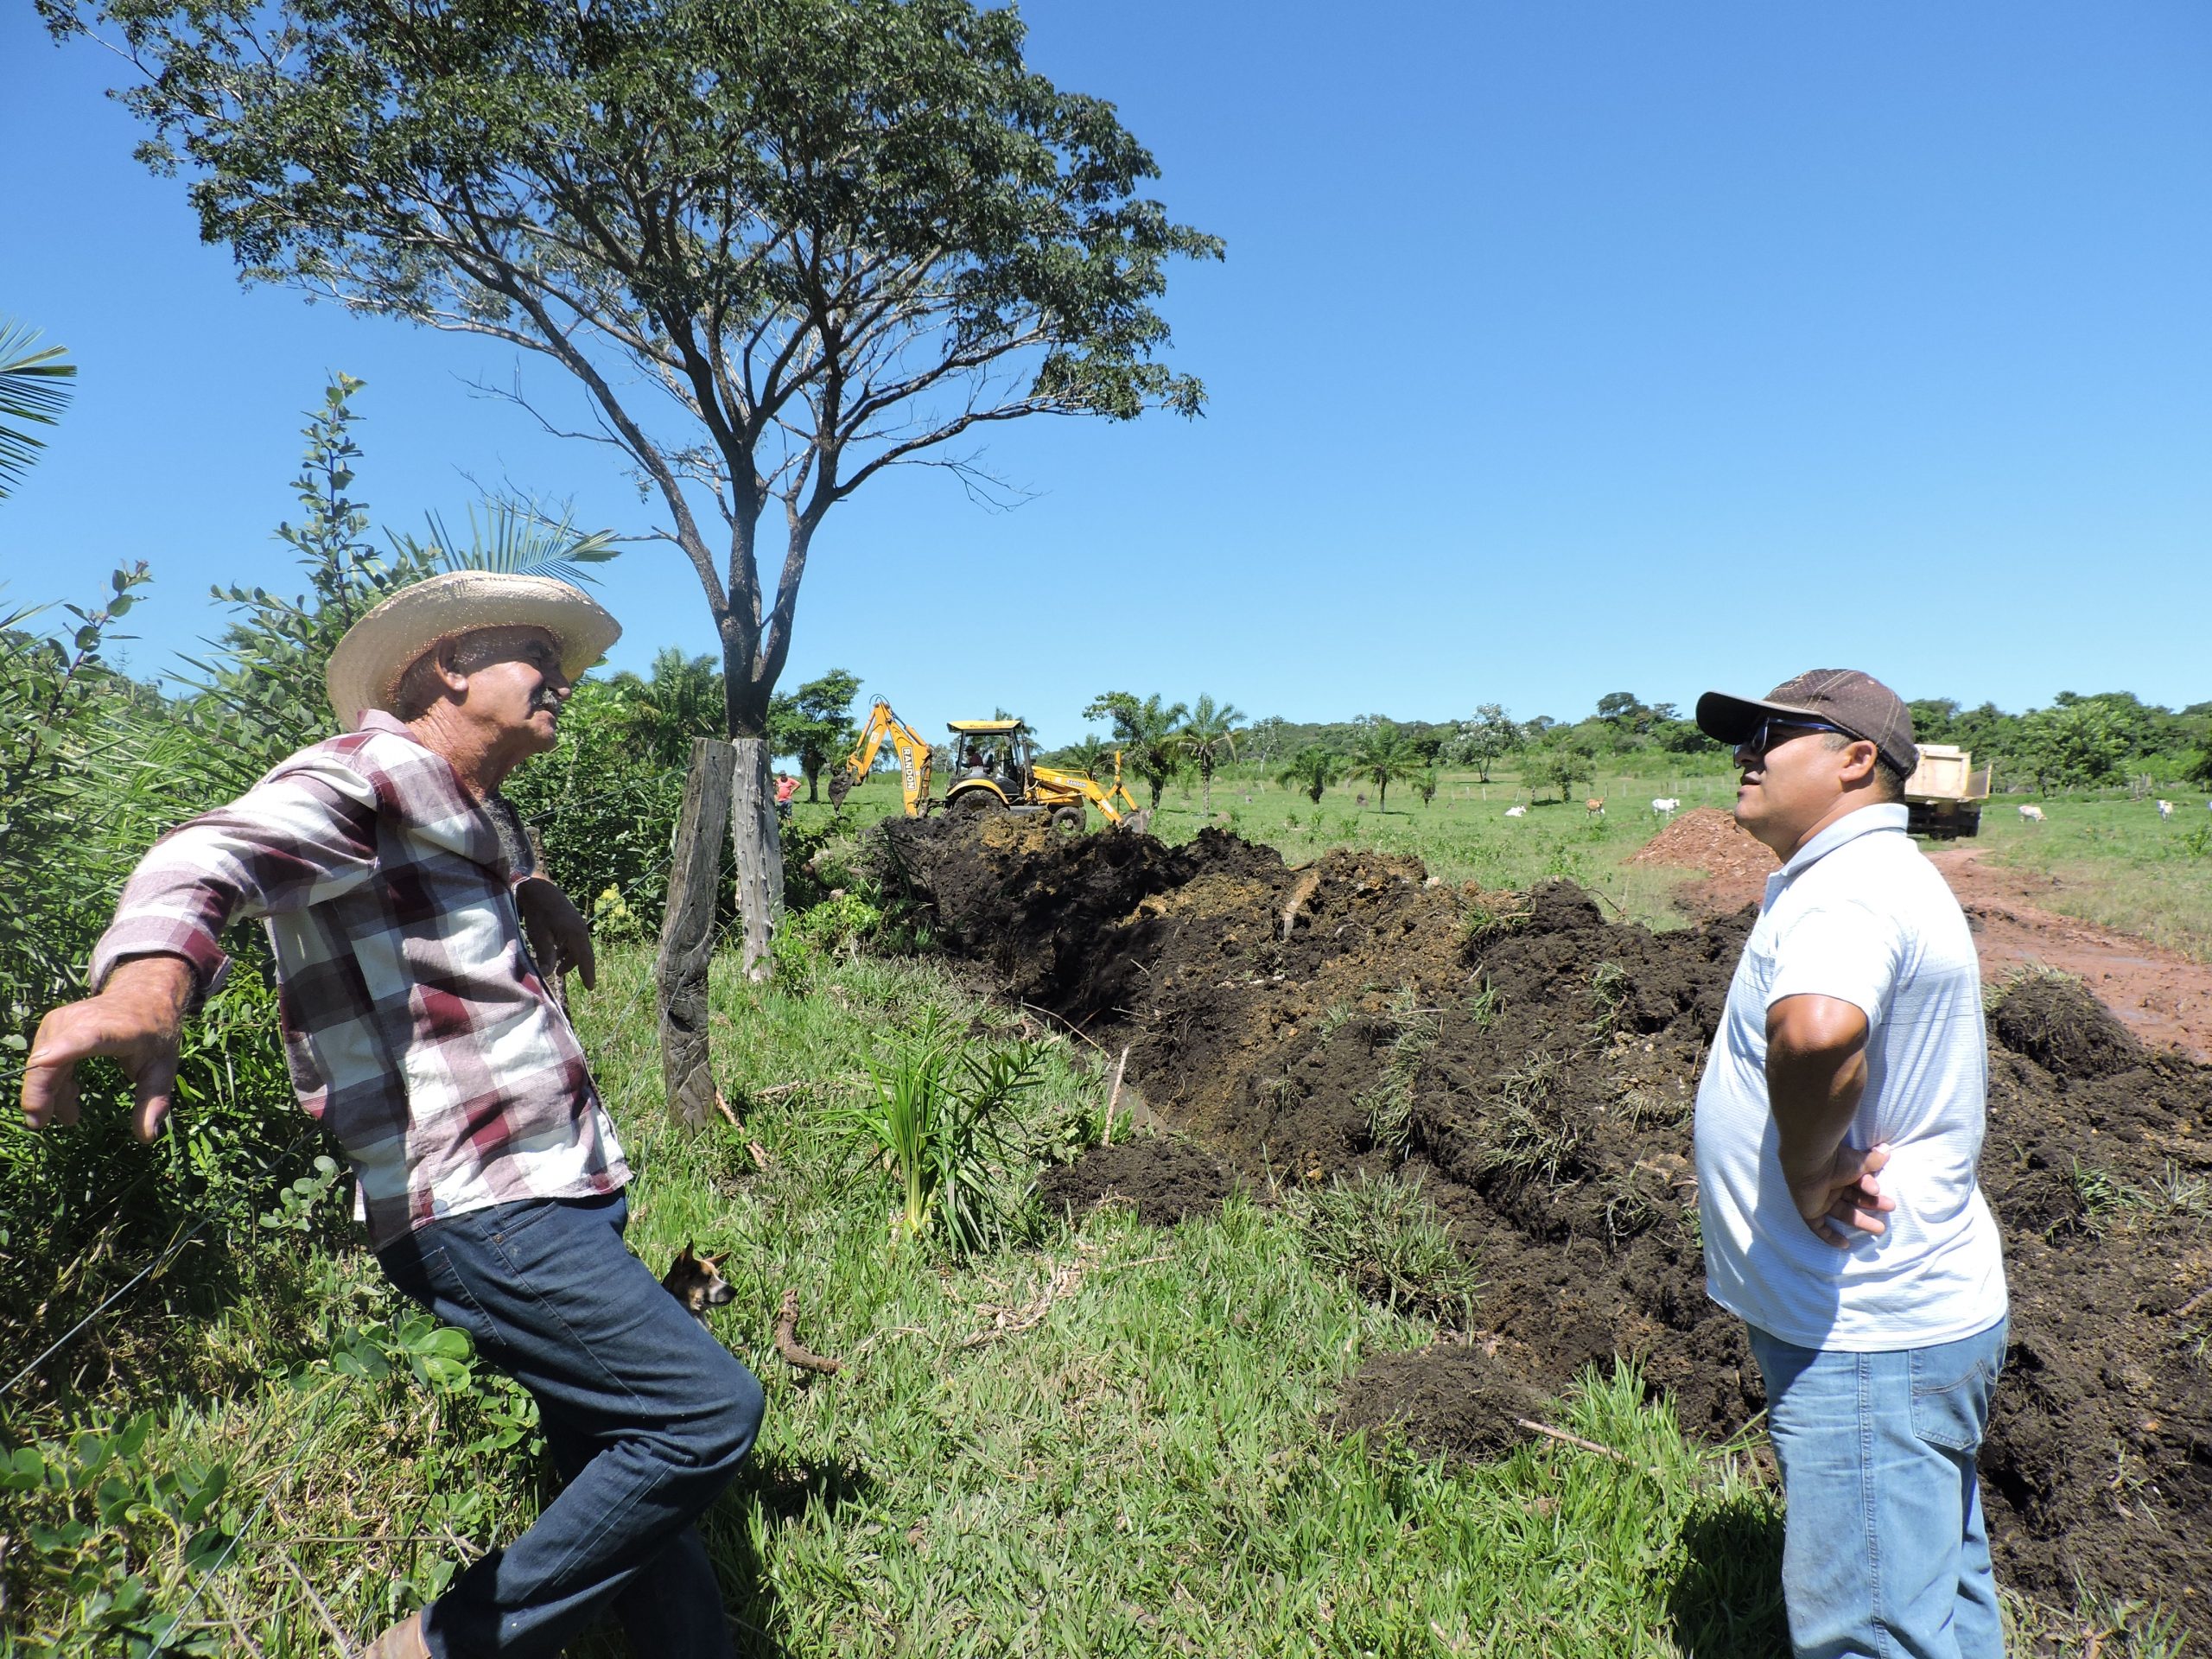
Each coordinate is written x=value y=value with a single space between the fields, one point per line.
x=1858 y=703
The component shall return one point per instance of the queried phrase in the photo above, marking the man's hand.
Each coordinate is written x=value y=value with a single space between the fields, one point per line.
x=559 y=938
x=1815 y=1074
x=135 y=1020
x=1847 y=1194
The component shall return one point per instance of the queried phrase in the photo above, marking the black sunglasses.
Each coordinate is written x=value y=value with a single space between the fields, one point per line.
x=1776 y=729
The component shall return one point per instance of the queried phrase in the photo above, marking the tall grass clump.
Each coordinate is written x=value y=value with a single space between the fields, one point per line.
x=938 y=1118
x=1382 y=1233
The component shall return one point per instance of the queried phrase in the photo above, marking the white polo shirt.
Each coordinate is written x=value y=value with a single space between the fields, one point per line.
x=1859 y=914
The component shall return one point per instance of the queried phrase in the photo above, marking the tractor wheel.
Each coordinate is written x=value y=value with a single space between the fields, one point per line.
x=976 y=804
x=1068 y=820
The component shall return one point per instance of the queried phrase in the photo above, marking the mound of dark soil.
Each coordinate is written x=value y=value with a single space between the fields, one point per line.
x=2055 y=1021
x=1536 y=1066
x=1457 y=1402
x=1166 y=1177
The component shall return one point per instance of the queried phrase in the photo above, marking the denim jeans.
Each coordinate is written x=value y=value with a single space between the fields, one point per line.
x=1885 y=1552
x=646 y=1416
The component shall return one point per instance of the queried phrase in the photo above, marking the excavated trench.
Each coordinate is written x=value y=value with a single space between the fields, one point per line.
x=1534 y=1065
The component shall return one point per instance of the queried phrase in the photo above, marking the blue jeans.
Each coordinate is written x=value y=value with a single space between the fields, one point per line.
x=646 y=1415
x=1885 y=1552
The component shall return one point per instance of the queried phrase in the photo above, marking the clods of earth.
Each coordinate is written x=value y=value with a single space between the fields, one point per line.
x=1533 y=1066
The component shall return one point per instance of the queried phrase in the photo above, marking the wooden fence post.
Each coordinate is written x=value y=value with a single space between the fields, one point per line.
x=687 y=932
x=757 y=843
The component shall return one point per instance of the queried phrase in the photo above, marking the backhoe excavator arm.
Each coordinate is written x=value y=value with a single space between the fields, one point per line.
x=913 y=750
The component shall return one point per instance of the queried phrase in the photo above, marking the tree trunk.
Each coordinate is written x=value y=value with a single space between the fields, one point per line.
x=758 y=849
x=687 y=934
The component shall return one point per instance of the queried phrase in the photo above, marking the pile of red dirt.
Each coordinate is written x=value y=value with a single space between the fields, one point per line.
x=1535 y=1066
x=1711 y=841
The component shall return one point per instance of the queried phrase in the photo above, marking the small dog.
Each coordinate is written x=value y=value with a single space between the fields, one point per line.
x=697 y=1281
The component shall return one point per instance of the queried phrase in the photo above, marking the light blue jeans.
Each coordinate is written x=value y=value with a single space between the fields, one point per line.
x=1885 y=1555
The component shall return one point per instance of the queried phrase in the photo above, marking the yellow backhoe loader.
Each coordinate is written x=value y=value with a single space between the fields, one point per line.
x=912 y=747
x=994 y=770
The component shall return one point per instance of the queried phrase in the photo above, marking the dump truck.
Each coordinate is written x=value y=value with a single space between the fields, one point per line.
x=1943 y=796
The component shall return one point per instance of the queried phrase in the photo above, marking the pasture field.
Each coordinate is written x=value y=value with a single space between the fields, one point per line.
x=1093 y=1438
x=2115 y=863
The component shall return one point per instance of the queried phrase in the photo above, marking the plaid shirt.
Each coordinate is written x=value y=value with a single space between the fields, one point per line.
x=418 y=1032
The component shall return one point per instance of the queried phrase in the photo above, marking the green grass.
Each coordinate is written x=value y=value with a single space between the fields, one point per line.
x=1140 y=1465
x=1108 y=1440
x=2117 y=865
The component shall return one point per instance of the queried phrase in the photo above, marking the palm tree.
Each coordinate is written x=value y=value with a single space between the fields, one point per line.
x=1089 y=756
x=31 y=394
x=683 y=700
x=1312 y=769
x=1204 y=736
x=1383 y=755
x=517 y=538
x=1145 y=733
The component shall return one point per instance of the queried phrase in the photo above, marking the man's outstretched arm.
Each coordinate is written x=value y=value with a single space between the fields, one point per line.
x=135 y=1020
x=1815 y=1075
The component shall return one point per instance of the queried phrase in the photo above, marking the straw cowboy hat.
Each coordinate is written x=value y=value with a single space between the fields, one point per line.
x=365 y=670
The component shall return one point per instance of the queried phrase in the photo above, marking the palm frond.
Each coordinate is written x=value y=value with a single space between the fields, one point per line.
x=515 y=538
x=34 y=391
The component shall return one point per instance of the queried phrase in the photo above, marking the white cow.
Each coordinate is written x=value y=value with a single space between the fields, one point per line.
x=1662 y=804
x=1516 y=811
x=2032 y=814
x=2166 y=811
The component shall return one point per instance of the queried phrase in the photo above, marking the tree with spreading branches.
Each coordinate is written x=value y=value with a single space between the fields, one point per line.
x=779 y=246
x=815 y=724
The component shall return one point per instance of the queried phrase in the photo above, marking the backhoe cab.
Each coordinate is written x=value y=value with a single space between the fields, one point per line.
x=993 y=769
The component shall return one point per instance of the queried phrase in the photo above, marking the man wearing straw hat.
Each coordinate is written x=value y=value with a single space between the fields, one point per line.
x=417 y=952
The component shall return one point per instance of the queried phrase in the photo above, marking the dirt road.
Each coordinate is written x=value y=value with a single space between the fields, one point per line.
x=2165 y=998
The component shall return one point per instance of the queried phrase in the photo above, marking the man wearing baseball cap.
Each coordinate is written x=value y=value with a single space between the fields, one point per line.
x=417 y=952
x=1839 y=1123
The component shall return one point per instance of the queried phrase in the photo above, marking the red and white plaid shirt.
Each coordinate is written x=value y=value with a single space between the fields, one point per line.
x=418 y=1032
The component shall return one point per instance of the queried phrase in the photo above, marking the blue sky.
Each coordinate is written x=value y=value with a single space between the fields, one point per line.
x=1560 y=349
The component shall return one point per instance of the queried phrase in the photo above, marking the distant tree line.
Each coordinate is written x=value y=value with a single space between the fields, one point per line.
x=2077 y=742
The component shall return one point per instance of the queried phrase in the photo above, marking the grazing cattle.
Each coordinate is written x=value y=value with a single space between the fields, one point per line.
x=2165 y=808
x=2032 y=814
x=1662 y=804
x=1516 y=811
x=1595 y=809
